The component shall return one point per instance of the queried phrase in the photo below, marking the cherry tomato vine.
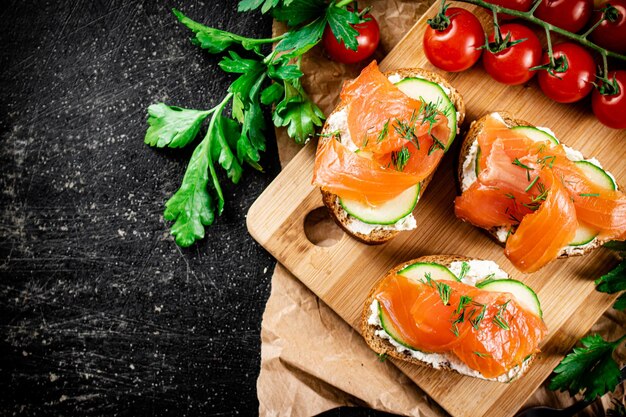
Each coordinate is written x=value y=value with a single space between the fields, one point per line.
x=529 y=16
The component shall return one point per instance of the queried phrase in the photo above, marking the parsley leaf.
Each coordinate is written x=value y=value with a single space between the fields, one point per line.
x=192 y=207
x=299 y=11
x=173 y=126
x=227 y=133
x=590 y=368
x=216 y=40
x=238 y=65
x=613 y=281
x=266 y=5
x=620 y=303
x=340 y=21
x=297 y=112
x=272 y=94
x=616 y=245
x=301 y=40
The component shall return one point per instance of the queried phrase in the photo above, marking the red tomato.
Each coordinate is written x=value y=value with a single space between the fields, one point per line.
x=611 y=109
x=570 y=15
x=521 y=5
x=611 y=35
x=576 y=82
x=455 y=48
x=511 y=66
x=369 y=36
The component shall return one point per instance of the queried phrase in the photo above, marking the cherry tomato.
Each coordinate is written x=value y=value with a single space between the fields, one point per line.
x=611 y=110
x=521 y=5
x=611 y=35
x=455 y=47
x=573 y=84
x=369 y=36
x=571 y=15
x=511 y=66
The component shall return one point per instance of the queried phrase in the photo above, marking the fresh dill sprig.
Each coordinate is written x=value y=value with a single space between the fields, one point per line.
x=464 y=301
x=444 y=291
x=589 y=194
x=498 y=320
x=475 y=321
x=482 y=355
x=547 y=160
x=428 y=279
x=535 y=202
x=334 y=133
x=532 y=184
x=519 y=163
x=464 y=270
x=384 y=132
x=400 y=158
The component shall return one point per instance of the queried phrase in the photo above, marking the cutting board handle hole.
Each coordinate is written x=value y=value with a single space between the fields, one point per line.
x=320 y=229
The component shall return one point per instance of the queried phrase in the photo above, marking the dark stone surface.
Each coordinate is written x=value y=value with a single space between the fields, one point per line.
x=100 y=312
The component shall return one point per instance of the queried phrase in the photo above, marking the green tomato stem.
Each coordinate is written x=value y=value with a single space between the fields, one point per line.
x=550 y=54
x=529 y=16
x=534 y=8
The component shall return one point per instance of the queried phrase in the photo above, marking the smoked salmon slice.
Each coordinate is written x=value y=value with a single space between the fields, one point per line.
x=400 y=141
x=489 y=331
x=541 y=235
x=534 y=190
x=345 y=173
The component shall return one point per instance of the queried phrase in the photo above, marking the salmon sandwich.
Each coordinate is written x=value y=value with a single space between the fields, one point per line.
x=535 y=195
x=455 y=313
x=379 y=148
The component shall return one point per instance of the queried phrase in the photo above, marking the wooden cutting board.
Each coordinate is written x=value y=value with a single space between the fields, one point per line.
x=343 y=274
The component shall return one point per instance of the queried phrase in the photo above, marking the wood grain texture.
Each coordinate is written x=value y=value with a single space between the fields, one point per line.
x=342 y=275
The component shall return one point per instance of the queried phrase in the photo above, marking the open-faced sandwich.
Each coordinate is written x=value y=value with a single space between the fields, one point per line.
x=380 y=147
x=455 y=313
x=538 y=197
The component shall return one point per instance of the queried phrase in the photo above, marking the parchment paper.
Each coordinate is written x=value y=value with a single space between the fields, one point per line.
x=311 y=360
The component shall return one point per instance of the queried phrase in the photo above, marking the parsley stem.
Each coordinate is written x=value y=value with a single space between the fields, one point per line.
x=343 y=3
x=210 y=136
x=266 y=40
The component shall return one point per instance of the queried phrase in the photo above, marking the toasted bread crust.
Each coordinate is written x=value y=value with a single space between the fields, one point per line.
x=469 y=138
x=341 y=217
x=383 y=346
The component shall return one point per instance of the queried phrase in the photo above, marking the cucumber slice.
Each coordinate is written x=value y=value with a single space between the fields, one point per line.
x=584 y=235
x=476 y=165
x=523 y=294
x=536 y=134
x=419 y=88
x=387 y=213
x=597 y=175
x=418 y=271
x=388 y=327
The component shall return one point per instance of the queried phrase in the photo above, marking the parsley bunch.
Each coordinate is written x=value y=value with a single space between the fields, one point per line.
x=590 y=368
x=272 y=80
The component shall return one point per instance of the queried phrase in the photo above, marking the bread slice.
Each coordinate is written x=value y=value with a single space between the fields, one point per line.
x=443 y=361
x=342 y=218
x=465 y=155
